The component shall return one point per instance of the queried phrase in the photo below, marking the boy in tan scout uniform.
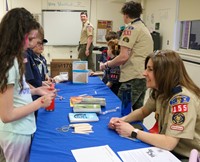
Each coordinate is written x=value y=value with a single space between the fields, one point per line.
x=86 y=46
x=136 y=43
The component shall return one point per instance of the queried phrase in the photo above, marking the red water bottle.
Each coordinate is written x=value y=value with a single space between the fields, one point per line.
x=51 y=107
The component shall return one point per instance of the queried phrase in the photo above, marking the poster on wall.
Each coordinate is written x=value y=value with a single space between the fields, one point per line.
x=103 y=27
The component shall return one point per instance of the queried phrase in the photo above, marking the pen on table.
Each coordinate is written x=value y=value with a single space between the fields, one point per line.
x=60 y=97
x=83 y=95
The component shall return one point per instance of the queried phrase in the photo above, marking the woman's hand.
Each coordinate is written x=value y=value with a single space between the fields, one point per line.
x=113 y=121
x=124 y=128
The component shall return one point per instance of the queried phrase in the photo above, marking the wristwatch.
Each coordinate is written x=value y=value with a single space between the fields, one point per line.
x=134 y=133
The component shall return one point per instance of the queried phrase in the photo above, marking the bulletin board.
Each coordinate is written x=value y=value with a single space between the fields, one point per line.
x=103 y=27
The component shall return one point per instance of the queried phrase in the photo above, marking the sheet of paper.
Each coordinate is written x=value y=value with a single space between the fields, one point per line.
x=150 y=154
x=96 y=154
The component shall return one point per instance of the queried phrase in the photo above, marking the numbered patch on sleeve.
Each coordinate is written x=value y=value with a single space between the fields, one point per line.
x=127 y=32
x=179 y=104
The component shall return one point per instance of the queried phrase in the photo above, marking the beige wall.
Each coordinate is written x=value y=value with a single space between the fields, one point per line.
x=163 y=12
x=100 y=10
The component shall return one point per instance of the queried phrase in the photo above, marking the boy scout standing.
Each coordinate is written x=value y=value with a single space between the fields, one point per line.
x=86 y=46
x=135 y=45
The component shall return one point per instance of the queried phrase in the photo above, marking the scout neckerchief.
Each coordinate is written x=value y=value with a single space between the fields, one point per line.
x=41 y=65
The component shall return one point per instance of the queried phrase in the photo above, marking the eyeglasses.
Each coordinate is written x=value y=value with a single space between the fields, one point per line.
x=40 y=43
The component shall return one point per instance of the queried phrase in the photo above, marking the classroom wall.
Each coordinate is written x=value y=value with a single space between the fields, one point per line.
x=98 y=10
x=163 y=12
x=166 y=13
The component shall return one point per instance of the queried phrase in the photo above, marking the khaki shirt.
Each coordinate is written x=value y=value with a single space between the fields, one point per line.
x=87 y=30
x=180 y=118
x=138 y=38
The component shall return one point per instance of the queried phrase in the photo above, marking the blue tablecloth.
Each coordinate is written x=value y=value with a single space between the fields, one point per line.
x=51 y=145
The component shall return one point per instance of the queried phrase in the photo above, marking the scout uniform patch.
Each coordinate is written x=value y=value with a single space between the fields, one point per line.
x=179 y=105
x=89 y=27
x=126 y=39
x=127 y=32
x=178 y=118
x=130 y=28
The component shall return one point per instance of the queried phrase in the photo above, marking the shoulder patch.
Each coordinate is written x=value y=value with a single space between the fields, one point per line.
x=179 y=99
x=127 y=32
x=177 y=127
x=89 y=27
x=179 y=103
x=130 y=28
x=178 y=118
x=126 y=39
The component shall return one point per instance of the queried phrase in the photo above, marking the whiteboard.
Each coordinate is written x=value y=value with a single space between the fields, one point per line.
x=62 y=27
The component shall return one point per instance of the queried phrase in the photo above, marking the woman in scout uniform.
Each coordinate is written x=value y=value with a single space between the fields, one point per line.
x=175 y=99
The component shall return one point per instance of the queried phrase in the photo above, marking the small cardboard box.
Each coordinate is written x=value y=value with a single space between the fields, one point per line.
x=58 y=66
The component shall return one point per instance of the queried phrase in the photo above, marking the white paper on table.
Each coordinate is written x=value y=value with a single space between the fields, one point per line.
x=96 y=154
x=150 y=154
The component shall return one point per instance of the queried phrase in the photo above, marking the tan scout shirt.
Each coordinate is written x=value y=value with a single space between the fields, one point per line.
x=86 y=31
x=180 y=118
x=138 y=38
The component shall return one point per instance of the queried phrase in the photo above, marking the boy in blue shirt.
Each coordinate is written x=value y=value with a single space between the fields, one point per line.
x=36 y=66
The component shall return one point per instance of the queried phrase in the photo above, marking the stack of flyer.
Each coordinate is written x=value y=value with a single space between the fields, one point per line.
x=78 y=107
x=94 y=100
x=77 y=99
x=87 y=100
